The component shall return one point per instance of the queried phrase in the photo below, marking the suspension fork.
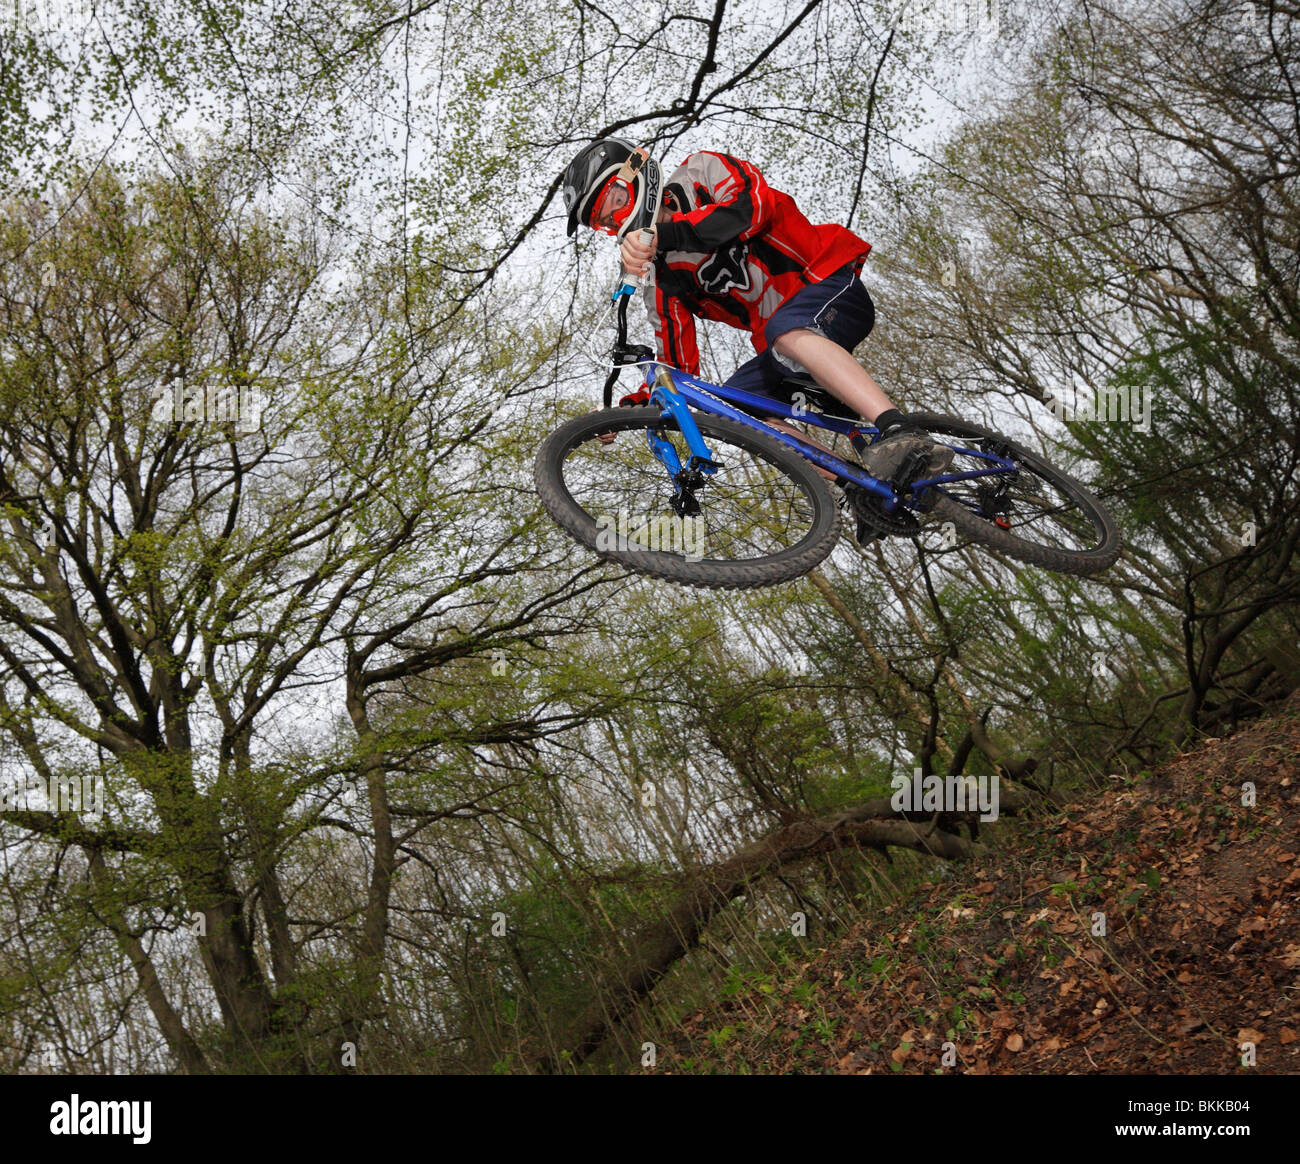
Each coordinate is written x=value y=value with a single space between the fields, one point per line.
x=700 y=465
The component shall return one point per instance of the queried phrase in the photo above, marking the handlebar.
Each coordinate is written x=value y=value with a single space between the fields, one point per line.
x=623 y=352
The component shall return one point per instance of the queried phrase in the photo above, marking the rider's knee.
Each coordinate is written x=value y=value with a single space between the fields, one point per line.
x=787 y=339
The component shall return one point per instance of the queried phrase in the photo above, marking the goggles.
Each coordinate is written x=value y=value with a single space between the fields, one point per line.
x=613 y=205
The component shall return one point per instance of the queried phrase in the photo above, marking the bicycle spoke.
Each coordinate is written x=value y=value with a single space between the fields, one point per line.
x=748 y=509
x=1024 y=502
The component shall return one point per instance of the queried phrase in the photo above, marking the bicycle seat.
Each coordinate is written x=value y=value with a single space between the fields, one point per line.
x=814 y=396
x=808 y=393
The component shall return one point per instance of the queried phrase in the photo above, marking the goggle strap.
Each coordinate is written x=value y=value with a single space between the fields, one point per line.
x=633 y=165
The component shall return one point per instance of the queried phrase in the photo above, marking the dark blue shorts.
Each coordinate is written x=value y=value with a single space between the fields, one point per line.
x=838 y=307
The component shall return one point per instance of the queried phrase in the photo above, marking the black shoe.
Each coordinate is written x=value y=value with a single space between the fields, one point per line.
x=891 y=451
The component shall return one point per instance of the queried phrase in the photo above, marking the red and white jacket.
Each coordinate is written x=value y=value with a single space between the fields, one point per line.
x=734 y=250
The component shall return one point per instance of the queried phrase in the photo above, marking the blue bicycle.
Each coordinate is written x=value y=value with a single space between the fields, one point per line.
x=712 y=496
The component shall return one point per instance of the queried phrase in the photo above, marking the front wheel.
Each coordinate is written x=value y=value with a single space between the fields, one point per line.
x=764 y=517
x=1036 y=514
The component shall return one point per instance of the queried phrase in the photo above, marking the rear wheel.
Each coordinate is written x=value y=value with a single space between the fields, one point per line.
x=1036 y=514
x=764 y=517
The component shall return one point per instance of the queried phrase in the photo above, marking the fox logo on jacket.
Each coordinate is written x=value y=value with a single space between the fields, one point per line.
x=725 y=270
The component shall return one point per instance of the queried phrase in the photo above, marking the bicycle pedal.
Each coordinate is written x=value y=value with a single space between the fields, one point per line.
x=866 y=534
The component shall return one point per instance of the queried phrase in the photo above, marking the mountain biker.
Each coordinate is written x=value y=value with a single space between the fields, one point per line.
x=726 y=246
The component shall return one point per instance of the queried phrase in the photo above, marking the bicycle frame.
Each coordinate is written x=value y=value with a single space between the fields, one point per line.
x=677 y=393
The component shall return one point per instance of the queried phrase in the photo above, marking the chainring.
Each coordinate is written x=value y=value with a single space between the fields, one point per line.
x=871 y=512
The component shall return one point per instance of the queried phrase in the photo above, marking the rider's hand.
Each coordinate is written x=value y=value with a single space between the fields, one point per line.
x=636 y=255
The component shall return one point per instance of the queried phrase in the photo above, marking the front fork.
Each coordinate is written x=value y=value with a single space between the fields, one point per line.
x=690 y=477
x=700 y=465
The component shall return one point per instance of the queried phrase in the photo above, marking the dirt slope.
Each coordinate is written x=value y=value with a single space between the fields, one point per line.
x=1200 y=953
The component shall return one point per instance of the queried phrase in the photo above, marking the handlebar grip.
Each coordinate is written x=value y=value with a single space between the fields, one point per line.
x=647 y=237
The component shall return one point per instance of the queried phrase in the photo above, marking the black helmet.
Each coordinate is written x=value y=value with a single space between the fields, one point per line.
x=604 y=159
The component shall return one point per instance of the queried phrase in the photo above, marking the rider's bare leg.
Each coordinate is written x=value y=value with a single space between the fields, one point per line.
x=835 y=370
x=840 y=374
